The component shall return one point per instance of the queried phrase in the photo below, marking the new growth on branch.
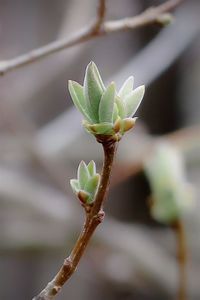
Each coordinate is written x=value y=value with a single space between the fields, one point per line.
x=107 y=115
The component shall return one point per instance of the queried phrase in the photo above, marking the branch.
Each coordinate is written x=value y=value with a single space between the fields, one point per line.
x=101 y=12
x=179 y=231
x=93 y=218
x=96 y=29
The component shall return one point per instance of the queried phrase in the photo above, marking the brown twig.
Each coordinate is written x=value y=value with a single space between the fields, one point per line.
x=182 y=258
x=96 y=29
x=93 y=218
x=101 y=12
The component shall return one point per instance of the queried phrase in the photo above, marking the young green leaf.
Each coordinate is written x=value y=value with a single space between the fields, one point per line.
x=83 y=174
x=115 y=113
x=76 y=92
x=133 y=100
x=127 y=87
x=121 y=107
x=98 y=76
x=106 y=105
x=74 y=185
x=92 y=168
x=92 y=184
x=93 y=91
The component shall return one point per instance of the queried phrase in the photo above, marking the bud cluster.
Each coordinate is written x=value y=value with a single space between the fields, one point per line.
x=87 y=182
x=105 y=111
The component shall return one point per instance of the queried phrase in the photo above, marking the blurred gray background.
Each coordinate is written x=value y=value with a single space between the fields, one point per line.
x=42 y=142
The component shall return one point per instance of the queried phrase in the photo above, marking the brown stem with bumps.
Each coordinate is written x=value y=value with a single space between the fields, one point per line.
x=182 y=258
x=93 y=218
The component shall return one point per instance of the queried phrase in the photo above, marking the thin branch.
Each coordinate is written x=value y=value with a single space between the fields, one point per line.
x=93 y=218
x=182 y=258
x=97 y=28
x=101 y=12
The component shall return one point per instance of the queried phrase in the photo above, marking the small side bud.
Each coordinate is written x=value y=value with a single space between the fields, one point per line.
x=117 y=125
x=83 y=196
x=129 y=123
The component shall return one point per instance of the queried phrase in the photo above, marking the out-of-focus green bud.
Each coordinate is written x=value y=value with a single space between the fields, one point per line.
x=106 y=113
x=86 y=186
x=171 y=194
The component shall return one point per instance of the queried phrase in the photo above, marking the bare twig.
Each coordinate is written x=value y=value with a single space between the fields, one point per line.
x=182 y=258
x=94 y=217
x=101 y=12
x=148 y=17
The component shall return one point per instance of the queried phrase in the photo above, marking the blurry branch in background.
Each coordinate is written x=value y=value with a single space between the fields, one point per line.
x=154 y=15
x=24 y=129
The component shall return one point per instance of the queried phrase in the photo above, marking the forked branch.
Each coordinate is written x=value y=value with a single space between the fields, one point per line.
x=96 y=29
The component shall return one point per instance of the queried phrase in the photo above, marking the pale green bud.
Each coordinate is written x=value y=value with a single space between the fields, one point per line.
x=106 y=113
x=171 y=194
x=86 y=186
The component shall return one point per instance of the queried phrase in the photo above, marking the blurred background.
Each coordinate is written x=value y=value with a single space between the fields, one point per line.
x=42 y=142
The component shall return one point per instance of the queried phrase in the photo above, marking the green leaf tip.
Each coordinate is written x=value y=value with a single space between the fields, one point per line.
x=83 y=174
x=91 y=167
x=105 y=111
x=93 y=90
x=133 y=100
x=127 y=87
